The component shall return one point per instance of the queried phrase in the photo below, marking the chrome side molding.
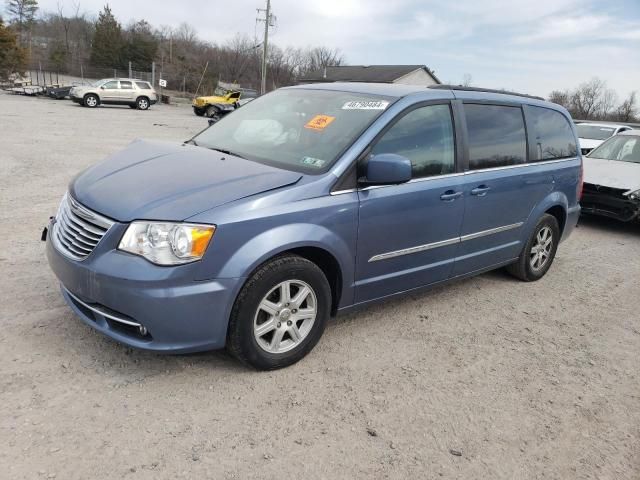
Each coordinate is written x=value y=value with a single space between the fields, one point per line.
x=444 y=243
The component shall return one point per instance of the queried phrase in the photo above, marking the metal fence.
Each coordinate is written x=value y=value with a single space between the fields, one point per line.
x=179 y=82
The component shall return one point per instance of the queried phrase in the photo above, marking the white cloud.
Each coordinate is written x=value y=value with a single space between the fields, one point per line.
x=532 y=45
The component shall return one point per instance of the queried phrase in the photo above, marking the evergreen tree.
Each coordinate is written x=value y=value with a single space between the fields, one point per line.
x=106 y=48
x=12 y=57
x=141 y=46
x=22 y=14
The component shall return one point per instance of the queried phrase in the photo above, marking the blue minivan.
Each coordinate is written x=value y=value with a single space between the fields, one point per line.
x=311 y=201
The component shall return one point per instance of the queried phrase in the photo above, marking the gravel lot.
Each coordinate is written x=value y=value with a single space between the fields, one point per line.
x=487 y=378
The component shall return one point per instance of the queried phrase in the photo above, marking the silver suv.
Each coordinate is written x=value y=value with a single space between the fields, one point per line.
x=115 y=91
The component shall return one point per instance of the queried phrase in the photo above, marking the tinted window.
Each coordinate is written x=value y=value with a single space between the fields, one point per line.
x=424 y=136
x=496 y=136
x=111 y=85
x=143 y=85
x=553 y=135
x=126 y=85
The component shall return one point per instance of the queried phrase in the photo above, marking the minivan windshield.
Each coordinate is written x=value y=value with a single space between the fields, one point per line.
x=594 y=132
x=625 y=148
x=304 y=130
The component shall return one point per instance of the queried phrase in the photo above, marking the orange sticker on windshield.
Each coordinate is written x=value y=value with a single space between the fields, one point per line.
x=319 y=122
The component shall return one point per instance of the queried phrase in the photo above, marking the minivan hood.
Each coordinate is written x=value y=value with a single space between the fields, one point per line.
x=165 y=181
x=612 y=173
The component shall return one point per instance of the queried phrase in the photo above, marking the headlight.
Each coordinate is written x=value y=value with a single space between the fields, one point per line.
x=635 y=195
x=167 y=243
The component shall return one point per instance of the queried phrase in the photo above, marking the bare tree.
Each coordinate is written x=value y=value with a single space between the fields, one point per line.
x=467 y=80
x=626 y=112
x=561 y=97
x=587 y=98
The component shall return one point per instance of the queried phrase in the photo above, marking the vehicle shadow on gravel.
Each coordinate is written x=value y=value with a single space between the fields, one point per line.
x=609 y=225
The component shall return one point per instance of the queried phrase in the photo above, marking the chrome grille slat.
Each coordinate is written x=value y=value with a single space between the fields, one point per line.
x=78 y=230
x=76 y=241
x=81 y=224
x=70 y=225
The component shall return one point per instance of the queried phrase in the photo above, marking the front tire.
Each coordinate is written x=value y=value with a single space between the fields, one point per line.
x=91 y=101
x=213 y=112
x=280 y=313
x=539 y=251
x=199 y=112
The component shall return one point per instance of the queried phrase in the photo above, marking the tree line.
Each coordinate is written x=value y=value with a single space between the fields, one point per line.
x=65 y=40
x=593 y=100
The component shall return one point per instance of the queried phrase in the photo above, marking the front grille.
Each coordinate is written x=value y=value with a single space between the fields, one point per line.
x=77 y=229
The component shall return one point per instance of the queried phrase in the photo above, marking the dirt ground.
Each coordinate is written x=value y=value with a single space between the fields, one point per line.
x=487 y=378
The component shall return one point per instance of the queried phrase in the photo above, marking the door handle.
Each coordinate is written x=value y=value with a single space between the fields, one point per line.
x=450 y=196
x=480 y=190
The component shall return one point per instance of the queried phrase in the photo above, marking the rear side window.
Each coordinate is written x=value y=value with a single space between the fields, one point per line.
x=553 y=135
x=497 y=136
x=424 y=136
x=143 y=85
x=126 y=85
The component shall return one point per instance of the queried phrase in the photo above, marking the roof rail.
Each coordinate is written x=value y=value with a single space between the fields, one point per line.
x=485 y=90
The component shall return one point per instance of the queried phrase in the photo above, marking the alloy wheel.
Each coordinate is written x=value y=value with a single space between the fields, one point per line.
x=285 y=316
x=541 y=249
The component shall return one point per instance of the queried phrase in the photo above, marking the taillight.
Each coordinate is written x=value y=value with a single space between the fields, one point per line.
x=580 y=181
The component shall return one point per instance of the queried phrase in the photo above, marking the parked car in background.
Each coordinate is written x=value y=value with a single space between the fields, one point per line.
x=225 y=101
x=612 y=178
x=309 y=201
x=591 y=135
x=58 y=93
x=116 y=91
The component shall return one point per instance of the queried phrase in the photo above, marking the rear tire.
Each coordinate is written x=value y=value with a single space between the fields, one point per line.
x=280 y=313
x=142 y=103
x=91 y=101
x=539 y=251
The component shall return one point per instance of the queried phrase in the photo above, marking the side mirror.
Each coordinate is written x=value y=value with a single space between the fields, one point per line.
x=387 y=169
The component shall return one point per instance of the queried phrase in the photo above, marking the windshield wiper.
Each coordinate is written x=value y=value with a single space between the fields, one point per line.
x=227 y=152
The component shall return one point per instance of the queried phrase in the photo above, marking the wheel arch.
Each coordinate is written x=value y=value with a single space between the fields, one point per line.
x=317 y=244
x=560 y=214
x=556 y=204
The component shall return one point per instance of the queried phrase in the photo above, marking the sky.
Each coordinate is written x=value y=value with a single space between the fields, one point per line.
x=532 y=46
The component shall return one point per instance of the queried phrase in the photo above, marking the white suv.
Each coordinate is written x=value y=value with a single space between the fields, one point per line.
x=115 y=91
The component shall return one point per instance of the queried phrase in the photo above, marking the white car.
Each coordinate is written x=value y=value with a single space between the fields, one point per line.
x=612 y=178
x=591 y=135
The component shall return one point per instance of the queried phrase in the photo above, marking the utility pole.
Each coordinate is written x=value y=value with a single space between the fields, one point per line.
x=267 y=23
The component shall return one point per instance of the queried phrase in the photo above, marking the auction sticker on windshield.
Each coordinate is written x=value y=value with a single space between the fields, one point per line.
x=364 y=105
x=319 y=122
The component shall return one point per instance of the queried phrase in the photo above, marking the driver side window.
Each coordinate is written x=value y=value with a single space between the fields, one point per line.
x=424 y=136
x=112 y=85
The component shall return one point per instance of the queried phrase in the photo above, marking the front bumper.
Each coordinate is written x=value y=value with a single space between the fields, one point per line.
x=609 y=202
x=117 y=293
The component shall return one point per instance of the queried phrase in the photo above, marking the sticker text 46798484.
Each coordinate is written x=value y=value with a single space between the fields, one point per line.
x=365 y=105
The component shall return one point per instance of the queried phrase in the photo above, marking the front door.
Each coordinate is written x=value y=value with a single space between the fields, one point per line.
x=109 y=92
x=408 y=234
